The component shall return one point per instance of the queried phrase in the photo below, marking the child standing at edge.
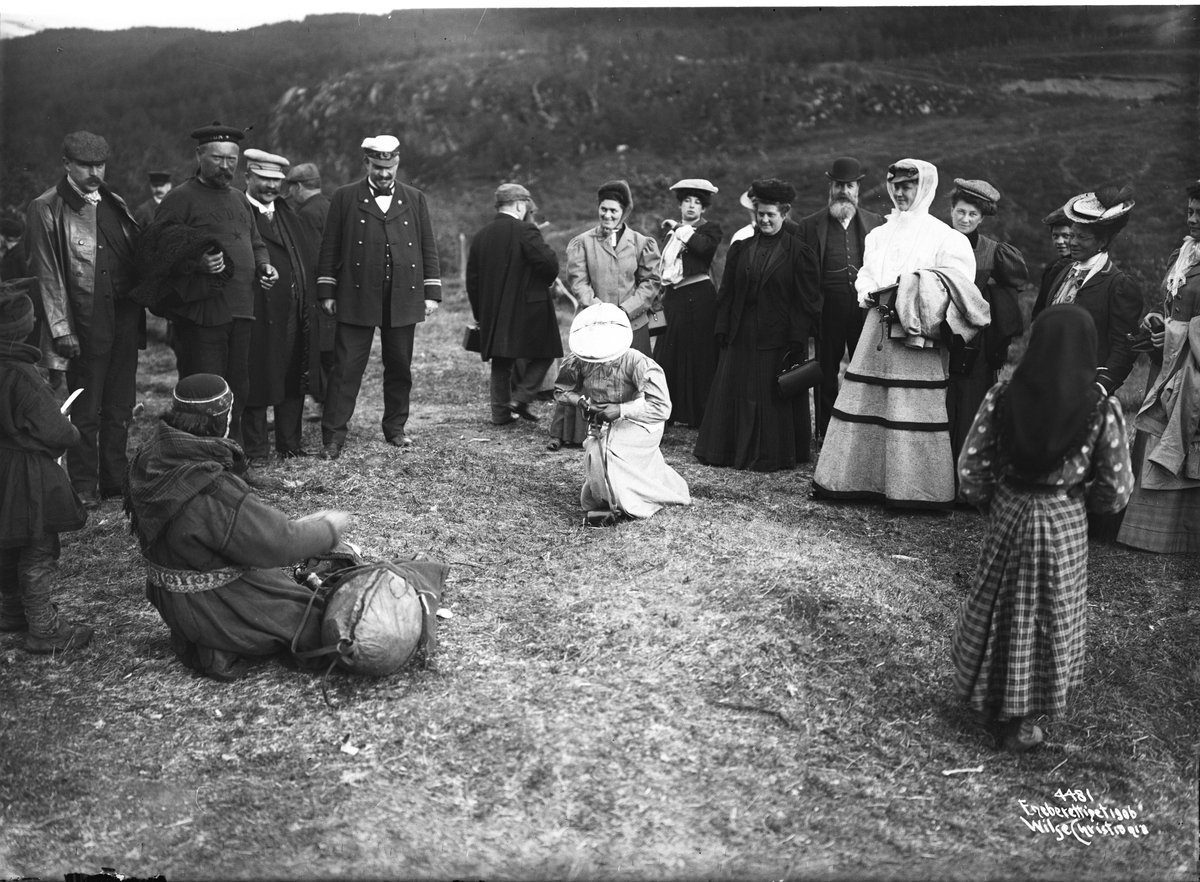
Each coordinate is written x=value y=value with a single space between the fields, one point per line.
x=1045 y=448
x=36 y=499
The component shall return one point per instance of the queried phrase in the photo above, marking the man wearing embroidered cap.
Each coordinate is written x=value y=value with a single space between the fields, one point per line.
x=212 y=304
x=378 y=268
x=283 y=344
x=160 y=186
x=79 y=245
x=837 y=235
x=623 y=394
x=510 y=269
x=213 y=551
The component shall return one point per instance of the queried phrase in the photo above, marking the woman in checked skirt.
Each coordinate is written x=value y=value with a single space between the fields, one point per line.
x=1045 y=448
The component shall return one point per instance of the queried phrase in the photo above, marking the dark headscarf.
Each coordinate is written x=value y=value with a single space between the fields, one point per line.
x=1053 y=393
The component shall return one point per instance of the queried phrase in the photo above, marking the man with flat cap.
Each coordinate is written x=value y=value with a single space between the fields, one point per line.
x=79 y=245
x=303 y=193
x=283 y=336
x=160 y=186
x=212 y=304
x=510 y=270
x=378 y=268
x=836 y=235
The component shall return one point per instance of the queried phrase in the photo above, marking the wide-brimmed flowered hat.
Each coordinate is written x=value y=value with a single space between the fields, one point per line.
x=1101 y=207
x=600 y=333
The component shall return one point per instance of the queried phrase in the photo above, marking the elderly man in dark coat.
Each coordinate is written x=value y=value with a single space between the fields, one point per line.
x=283 y=338
x=510 y=270
x=836 y=235
x=212 y=304
x=378 y=268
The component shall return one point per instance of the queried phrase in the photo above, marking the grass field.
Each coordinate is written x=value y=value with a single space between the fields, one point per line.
x=753 y=687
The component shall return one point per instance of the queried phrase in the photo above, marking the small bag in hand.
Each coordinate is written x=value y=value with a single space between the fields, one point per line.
x=795 y=378
x=658 y=322
x=471 y=341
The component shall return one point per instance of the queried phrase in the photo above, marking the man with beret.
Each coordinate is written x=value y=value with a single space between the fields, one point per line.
x=283 y=336
x=79 y=246
x=160 y=186
x=510 y=270
x=836 y=235
x=213 y=301
x=302 y=190
x=378 y=268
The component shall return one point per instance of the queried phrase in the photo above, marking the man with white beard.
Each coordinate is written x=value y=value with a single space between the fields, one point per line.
x=836 y=235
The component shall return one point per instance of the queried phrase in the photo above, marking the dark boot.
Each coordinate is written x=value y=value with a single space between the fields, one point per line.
x=68 y=635
x=12 y=607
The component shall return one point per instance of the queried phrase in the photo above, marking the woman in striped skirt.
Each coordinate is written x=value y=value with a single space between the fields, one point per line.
x=1045 y=448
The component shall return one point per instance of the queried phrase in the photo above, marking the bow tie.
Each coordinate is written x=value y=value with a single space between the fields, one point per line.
x=379 y=191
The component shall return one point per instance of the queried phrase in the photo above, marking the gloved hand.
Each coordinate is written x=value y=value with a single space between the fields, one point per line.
x=67 y=345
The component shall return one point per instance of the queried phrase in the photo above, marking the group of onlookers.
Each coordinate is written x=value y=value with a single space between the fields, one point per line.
x=272 y=298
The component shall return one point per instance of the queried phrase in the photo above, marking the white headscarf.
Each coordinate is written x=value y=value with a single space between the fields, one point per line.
x=926 y=189
x=912 y=240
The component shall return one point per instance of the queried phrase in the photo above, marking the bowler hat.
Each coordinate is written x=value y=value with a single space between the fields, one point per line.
x=846 y=169
x=159 y=177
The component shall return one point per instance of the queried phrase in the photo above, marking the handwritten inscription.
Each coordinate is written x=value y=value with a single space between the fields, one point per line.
x=1083 y=819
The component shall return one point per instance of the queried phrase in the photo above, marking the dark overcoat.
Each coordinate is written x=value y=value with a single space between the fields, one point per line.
x=313 y=212
x=1114 y=302
x=273 y=374
x=351 y=266
x=510 y=269
x=35 y=493
x=788 y=294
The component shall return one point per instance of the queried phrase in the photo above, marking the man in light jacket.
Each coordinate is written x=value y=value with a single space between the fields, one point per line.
x=615 y=264
x=80 y=247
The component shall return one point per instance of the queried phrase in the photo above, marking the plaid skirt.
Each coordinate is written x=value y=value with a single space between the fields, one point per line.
x=1018 y=643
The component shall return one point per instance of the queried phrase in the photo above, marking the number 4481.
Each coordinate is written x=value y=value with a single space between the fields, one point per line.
x=1077 y=795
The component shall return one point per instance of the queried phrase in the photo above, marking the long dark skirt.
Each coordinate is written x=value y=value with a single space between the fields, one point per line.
x=746 y=423
x=687 y=351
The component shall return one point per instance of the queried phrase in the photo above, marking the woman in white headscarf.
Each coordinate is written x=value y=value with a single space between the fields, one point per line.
x=889 y=436
x=623 y=395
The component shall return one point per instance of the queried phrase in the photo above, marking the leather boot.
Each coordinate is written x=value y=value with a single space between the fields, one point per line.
x=68 y=635
x=12 y=608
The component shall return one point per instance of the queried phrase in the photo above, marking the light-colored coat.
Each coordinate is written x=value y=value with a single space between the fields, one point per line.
x=626 y=276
